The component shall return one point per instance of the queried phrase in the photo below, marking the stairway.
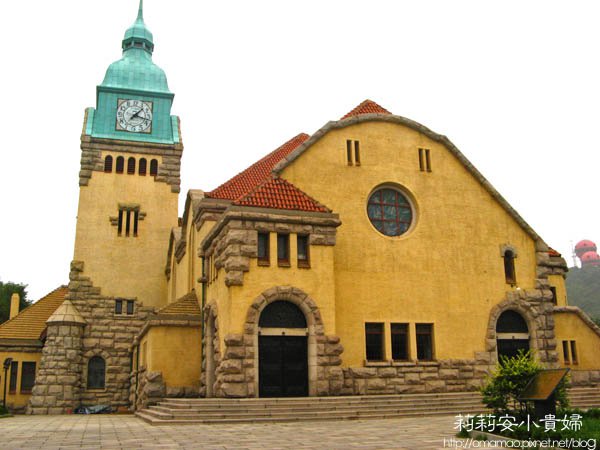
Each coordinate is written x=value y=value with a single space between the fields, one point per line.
x=584 y=397
x=257 y=410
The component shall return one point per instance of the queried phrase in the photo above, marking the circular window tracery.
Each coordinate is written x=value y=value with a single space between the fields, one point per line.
x=389 y=211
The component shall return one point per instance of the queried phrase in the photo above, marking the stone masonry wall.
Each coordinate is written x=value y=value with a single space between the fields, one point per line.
x=106 y=335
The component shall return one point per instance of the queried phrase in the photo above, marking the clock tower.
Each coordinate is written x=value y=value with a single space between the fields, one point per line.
x=129 y=178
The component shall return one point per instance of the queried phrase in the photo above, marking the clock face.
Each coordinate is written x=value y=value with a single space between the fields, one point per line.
x=134 y=116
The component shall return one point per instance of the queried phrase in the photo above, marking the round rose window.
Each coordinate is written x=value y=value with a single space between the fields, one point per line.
x=389 y=211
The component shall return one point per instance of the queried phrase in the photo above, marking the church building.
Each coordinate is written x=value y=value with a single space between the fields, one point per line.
x=370 y=257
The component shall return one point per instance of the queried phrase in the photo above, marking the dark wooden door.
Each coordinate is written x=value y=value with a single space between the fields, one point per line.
x=283 y=366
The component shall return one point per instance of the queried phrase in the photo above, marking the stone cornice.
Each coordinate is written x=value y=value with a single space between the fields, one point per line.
x=164 y=320
x=334 y=125
x=34 y=343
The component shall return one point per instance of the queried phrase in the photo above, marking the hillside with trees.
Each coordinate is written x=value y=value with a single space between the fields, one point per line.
x=583 y=289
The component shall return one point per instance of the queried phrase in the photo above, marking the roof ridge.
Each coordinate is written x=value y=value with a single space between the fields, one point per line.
x=366 y=107
x=31 y=306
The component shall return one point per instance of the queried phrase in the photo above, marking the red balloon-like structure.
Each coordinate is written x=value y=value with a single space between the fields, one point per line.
x=587 y=253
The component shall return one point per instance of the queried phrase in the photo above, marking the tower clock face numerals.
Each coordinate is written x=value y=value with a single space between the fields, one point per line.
x=134 y=116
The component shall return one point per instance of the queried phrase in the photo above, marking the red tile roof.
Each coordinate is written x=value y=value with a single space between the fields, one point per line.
x=246 y=181
x=278 y=193
x=553 y=252
x=366 y=107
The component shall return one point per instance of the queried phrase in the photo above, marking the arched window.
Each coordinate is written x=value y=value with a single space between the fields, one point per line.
x=120 y=164
x=108 y=161
x=154 y=167
x=142 y=167
x=282 y=314
x=509 y=267
x=96 y=373
x=512 y=334
x=131 y=166
x=511 y=322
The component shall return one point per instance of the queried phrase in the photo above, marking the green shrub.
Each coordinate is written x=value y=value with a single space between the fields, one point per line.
x=3 y=410
x=502 y=390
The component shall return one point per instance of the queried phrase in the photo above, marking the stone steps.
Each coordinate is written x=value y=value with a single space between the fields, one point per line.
x=584 y=397
x=255 y=410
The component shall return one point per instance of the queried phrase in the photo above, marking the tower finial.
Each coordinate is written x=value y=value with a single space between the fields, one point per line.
x=140 y=15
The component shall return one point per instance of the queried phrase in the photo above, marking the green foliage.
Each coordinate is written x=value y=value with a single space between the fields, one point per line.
x=501 y=392
x=583 y=289
x=3 y=410
x=6 y=291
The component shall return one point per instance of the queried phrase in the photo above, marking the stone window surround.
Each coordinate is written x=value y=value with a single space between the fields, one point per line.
x=107 y=362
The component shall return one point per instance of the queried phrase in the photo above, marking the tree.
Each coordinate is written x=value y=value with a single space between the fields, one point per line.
x=6 y=291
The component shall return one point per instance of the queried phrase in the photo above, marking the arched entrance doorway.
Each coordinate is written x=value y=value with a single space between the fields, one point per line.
x=512 y=334
x=282 y=351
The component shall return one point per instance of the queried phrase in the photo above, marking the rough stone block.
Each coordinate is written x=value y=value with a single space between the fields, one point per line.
x=363 y=372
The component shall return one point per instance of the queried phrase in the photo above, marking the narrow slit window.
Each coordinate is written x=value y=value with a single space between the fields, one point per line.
x=565 y=348
x=553 y=290
x=14 y=368
x=263 y=249
x=120 y=164
x=136 y=216
x=130 y=304
x=283 y=249
x=421 y=161
x=118 y=306
x=142 y=166
x=303 y=251
x=428 y=160
x=120 y=223
x=357 y=153
x=509 y=267
x=108 y=163
x=127 y=222
x=349 y=151
x=131 y=166
x=374 y=341
x=154 y=167
x=573 y=352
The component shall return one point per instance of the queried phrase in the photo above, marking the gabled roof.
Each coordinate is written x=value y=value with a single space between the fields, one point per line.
x=30 y=322
x=277 y=193
x=247 y=180
x=366 y=107
x=186 y=305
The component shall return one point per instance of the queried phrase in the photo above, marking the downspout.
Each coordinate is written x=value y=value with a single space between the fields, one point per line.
x=203 y=281
x=137 y=375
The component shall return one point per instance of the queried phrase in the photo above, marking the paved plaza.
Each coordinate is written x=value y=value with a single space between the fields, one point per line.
x=129 y=432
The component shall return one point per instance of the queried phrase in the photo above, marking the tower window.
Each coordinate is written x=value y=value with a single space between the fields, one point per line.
x=108 y=163
x=374 y=341
x=154 y=167
x=127 y=222
x=142 y=167
x=120 y=164
x=131 y=166
x=303 y=251
x=283 y=249
x=509 y=267
x=130 y=305
x=118 y=306
x=353 y=152
x=263 y=249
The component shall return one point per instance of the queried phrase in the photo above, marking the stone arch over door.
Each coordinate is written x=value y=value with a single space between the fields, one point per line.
x=324 y=375
x=534 y=321
x=211 y=353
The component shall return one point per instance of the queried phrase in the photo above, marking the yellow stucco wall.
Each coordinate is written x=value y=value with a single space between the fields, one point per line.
x=316 y=281
x=17 y=399
x=176 y=352
x=138 y=261
x=561 y=289
x=570 y=327
x=447 y=270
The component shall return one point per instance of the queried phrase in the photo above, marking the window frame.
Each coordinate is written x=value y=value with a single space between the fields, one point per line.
x=381 y=344
x=118 y=306
x=431 y=343
x=406 y=333
x=13 y=377
x=510 y=272
x=108 y=164
x=264 y=260
x=303 y=263
x=95 y=387
x=283 y=261
x=31 y=365
x=130 y=306
x=381 y=205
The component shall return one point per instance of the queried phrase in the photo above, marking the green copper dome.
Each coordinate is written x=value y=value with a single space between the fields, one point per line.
x=135 y=70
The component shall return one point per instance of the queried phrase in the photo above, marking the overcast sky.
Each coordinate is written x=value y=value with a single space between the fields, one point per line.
x=513 y=84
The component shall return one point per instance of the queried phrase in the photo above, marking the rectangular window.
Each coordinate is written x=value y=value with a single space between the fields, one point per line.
x=118 y=306
x=553 y=289
x=27 y=377
x=399 y=341
x=424 y=160
x=421 y=160
x=127 y=222
x=427 y=160
x=136 y=216
x=573 y=352
x=303 y=251
x=283 y=249
x=14 y=368
x=263 y=249
x=120 y=225
x=357 y=153
x=130 y=304
x=565 y=348
x=374 y=341
x=349 y=151
x=424 y=341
